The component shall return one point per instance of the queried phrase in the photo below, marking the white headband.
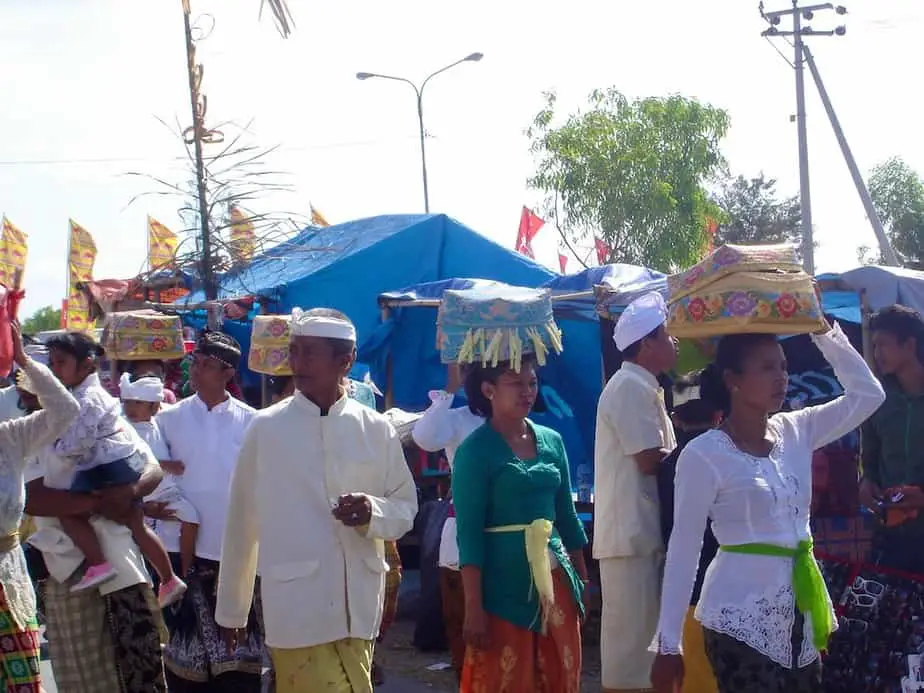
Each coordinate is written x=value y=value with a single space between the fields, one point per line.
x=148 y=389
x=305 y=325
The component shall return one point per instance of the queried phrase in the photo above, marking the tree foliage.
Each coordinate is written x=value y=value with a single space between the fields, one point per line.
x=897 y=191
x=632 y=173
x=42 y=320
x=754 y=213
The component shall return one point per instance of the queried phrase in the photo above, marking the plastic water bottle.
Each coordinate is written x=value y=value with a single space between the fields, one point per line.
x=584 y=483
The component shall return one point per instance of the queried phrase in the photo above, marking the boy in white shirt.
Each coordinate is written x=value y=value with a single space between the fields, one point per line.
x=142 y=396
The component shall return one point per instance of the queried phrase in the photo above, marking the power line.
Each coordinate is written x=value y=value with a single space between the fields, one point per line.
x=136 y=159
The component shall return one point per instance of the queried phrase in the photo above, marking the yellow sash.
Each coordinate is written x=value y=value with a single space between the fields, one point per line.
x=536 y=535
x=9 y=541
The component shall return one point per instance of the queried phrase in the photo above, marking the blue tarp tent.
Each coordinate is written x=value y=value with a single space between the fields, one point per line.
x=571 y=382
x=347 y=266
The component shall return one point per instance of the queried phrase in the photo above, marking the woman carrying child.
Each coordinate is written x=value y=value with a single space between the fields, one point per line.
x=105 y=455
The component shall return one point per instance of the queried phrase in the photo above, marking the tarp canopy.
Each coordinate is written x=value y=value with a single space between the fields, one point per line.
x=628 y=282
x=884 y=286
x=571 y=381
x=347 y=266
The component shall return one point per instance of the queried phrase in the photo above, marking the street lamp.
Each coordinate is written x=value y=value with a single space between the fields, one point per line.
x=473 y=58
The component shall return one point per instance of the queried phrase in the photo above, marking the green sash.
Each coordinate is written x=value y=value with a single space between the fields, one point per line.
x=807 y=583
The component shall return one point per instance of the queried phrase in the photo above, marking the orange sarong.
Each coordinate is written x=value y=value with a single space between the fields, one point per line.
x=522 y=661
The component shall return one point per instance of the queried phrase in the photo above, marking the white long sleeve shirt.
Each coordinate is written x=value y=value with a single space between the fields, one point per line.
x=443 y=428
x=321 y=581
x=207 y=441
x=167 y=491
x=756 y=500
x=20 y=439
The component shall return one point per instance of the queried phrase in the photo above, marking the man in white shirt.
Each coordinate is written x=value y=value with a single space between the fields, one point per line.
x=320 y=484
x=205 y=433
x=634 y=434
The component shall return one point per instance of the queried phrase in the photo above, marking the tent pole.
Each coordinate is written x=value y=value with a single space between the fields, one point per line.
x=867 y=337
x=264 y=380
x=389 y=369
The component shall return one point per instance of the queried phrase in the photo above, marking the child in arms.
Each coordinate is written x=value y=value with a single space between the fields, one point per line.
x=142 y=396
x=105 y=453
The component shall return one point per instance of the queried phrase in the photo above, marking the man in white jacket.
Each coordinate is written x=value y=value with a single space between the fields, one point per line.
x=320 y=483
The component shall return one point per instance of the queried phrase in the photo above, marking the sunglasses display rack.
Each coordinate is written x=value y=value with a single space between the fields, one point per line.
x=879 y=643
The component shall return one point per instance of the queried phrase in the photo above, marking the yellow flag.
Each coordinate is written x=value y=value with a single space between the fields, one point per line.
x=317 y=219
x=13 y=253
x=81 y=258
x=243 y=238
x=162 y=244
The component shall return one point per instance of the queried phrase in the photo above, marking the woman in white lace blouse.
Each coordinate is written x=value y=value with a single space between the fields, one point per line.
x=764 y=608
x=20 y=440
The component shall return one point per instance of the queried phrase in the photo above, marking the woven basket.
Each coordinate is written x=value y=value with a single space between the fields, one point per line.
x=495 y=324
x=143 y=336
x=269 y=345
x=748 y=302
x=729 y=259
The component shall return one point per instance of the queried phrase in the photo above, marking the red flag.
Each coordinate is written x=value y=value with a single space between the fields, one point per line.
x=603 y=251
x=529 y=227
x=562 y=260
x=711 y=228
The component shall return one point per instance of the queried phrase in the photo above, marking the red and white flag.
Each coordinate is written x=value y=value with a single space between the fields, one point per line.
x=529 y=227
x=562 y=260
x=603 y=251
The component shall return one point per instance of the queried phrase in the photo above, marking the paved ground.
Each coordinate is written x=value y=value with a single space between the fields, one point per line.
x=393 y=686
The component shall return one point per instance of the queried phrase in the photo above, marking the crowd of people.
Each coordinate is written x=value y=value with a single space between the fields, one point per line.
x=720 y=486
x=270 y=535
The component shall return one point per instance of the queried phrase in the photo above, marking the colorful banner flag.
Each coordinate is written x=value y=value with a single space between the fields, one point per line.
x=529 y=227
x=14 y=249
x=81 y=258
x=317 y=219
x=162 y=244
x=243 y=238
x=604 y=252
x=562 y=260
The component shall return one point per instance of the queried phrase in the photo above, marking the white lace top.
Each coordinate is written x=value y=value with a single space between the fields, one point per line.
x=756 y=500
x=20 y=440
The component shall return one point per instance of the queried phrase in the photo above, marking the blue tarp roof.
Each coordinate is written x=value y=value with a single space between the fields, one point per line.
x=628 y=282
x=347 y=266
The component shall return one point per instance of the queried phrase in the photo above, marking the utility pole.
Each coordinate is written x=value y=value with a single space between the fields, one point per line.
x=886 y=250
x=419 y=91
x=193 y=135
x=799 y=31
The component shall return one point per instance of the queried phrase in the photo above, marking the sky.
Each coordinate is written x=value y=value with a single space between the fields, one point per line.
x=86 y=86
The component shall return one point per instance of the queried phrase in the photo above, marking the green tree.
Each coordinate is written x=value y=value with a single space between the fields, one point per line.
x=897 y=191
x=632 y=173
x=42 y=320
x=754 y=212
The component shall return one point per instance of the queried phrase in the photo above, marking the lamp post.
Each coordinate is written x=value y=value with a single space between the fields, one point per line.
x=473 y=58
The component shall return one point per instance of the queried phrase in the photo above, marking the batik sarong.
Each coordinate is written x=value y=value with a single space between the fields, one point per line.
x=104 y=644
x=19 y=653
x=196 y=651
x=453 y=596
x=344 y=666
x=392 y=586
x=523 y=661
